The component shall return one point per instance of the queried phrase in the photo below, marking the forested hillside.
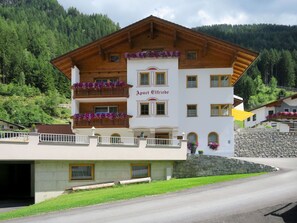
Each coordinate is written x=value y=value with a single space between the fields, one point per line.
x=276 y=65
x=32 y=32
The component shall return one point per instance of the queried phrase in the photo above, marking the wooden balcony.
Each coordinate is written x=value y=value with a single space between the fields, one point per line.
x=101 y=123
x=102 y=92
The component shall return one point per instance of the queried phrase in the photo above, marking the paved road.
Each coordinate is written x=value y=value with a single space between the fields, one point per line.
x=195 y=205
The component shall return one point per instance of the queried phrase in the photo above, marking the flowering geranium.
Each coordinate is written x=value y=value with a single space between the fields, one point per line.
x=280 y=115
x=191 y=145
x=152 y=54
x=99 y=85
x=213 y=145
x=96 y=116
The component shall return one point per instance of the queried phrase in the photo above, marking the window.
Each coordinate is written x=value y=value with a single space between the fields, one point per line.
x=192 y=137
x=286 y=110
x=254 y=117
x=160 y=78
x=144 y=78
x=270 y=112
x=220 y=81
x=220 y=110
x=213 y=137
x=225 y=81
x=115 y=139
x=248 y=119
x=140 y=170
x=191 y=110
x=105 y=80
x=81 y=171
x=115 y=58
x=191 y=81
x=144 y=109
x=215 y=110
x=160 y=109
x=191 y=55
x=294 y=110
x=214 y=81
x=106 y=109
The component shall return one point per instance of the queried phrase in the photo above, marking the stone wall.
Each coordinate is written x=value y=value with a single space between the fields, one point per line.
x=263 y=142
x=202 y=165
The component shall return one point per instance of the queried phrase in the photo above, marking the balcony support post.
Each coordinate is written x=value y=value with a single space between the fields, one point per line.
x=93 y=141
x=142 y=143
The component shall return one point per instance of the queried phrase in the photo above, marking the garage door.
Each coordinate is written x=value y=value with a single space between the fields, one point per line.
x=16 y=180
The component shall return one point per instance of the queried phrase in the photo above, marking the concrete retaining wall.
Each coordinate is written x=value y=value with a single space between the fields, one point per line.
x=201 y=165
x=52 y=177
x=265 y=143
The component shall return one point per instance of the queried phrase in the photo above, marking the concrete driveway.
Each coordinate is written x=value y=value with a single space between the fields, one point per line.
x=212 y=203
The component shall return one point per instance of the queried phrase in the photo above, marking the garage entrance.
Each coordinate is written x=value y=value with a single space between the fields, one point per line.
x=16 y=180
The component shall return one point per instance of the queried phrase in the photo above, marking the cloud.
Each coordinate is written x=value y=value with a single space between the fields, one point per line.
x=165 y=13
x=206 y=18
x=192 y=13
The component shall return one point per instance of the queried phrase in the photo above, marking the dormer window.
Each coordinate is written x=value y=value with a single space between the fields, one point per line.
x=191 y=55
x=114 y=58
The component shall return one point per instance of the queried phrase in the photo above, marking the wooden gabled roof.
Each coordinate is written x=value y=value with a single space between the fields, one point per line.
x=240 y=58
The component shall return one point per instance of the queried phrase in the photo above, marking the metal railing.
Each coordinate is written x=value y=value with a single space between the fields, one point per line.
x=63 y=138
x=163 y=142
x=114 y=140
x=14 y=136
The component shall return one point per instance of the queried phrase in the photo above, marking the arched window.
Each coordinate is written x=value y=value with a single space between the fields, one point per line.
x=192 y=142
x=213 y=137
x=115 y=138
x=192 y=137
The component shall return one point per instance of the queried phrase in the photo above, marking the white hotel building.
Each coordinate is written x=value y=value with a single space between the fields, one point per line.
x=136 y=94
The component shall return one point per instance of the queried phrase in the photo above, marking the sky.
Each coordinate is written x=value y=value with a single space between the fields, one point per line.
x=192 y=13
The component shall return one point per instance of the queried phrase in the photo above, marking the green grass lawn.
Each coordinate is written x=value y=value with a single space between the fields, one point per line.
x=99 y=196
x=240 y=124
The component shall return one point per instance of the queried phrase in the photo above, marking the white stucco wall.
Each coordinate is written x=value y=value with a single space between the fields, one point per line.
x=204 y=96
x=75 y=78
x=52 y=177
x=171 y=119
x=178 y=97
x=261 y=114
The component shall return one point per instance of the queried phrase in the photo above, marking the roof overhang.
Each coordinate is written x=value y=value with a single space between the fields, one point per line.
x=240 y=58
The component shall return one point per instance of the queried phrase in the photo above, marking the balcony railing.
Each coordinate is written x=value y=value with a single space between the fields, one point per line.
x=103 y=92
x=78 y=147
x=101 y=123
x=121 y=141
x=48 y=138
x=14 y=136
x=63 y=138
x=163 y=142
x=101 y=120
x=101 y=89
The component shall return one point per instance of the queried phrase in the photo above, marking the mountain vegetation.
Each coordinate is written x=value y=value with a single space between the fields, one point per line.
x=32 y=32
x=276 y=67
